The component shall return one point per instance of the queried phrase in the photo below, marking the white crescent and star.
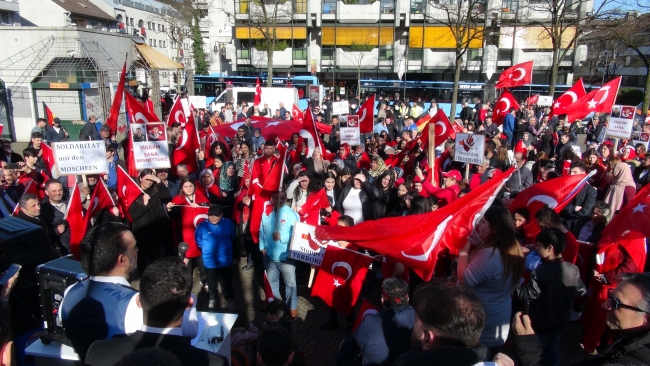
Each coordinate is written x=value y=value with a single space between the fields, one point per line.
x=436 y=238
x=124 y=190
x=639 y=208
x=444 y=128
x=180 y=119
x=368 y=312
x=198 y=217
x=363 y=116
x=310 y=142
x=342 y=265
x=183 y=140
x=507 y=102
x=140 y=117
x=574 y=96
x=552 y=203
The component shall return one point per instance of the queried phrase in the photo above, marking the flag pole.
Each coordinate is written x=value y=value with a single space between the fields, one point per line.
x=284 y=159
x=432 y=152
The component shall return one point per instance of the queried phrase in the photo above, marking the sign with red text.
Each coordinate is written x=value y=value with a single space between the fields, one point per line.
x=621 y=121
x=304 y=246
x=150 y=149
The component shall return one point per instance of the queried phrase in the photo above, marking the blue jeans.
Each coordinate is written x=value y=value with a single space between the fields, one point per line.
x=509 y=137
x=288 y=271
x=550 y=342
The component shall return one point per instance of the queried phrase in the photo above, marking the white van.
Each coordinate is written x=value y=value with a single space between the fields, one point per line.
x=270 y=96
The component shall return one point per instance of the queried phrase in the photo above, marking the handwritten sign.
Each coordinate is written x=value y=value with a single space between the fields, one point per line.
x=341 y=107
x=304 y=246
x=80 y=157
x=469 y=148
x=150 y=149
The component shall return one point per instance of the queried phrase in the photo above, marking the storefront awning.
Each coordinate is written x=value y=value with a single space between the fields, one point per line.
x=155 y=59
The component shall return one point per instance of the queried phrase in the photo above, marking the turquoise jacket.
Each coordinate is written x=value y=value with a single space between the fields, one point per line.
x=277 y=250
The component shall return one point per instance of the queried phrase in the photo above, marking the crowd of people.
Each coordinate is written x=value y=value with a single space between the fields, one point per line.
x=461 y=317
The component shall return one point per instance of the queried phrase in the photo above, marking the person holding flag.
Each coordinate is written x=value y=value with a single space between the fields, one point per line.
x=275 y=234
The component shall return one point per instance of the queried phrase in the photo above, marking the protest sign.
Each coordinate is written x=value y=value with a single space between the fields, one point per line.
x=544 y=101
x=351 y=136
x=341 y=107
x=150 y=149
x=304 y=246
x=641 y=138
x=621 y=122
x=469 y=148
x=80 y=157
x=198 y=101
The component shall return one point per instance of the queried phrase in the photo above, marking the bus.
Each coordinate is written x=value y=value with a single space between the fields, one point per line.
x=212 y=86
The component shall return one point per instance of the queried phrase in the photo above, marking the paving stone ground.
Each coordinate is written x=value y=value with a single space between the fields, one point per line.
x=320 y=347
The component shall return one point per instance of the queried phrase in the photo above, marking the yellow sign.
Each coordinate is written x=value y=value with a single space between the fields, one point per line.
x=59 y=85
x=133 y=83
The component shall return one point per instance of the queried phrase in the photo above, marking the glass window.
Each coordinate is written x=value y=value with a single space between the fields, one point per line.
x=417 y=6
x=329 y=6
x=387 y=6
x=299 y=54
x=415 y=54
x=244 y=54
x=327 y=53
x=385 y=53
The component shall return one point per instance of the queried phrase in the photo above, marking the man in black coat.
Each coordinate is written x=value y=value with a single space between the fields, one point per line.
x=30 y=211
x=8 y=153
x=641 y=173
x=583 y=203
x=627 y=316
x=56 y=133
x=53 y=211
x=165 y=292
x=89 y=131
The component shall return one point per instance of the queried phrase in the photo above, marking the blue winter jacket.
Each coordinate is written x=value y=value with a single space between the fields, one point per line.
x=509 y=123
x=215 y=242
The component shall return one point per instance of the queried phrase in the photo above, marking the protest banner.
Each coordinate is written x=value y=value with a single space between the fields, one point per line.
x=80 y=157
x=351 y=134
x=198 y=101
x=621 y=122
x=341 y=107
x=304 y=246
x=544 y=101
x=469 y=148
x=150 y=149
x=641 y=138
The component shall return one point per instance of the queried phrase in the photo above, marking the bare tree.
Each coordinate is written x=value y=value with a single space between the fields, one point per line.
x=356 y=53
x=564 y=22
x=263 y=18
x=462 y=19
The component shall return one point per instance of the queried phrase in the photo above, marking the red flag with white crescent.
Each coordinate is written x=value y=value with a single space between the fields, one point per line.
x=296 y=113
x=188 y=143
x=100 y=199
x=340 y=278
x=111 y=120
x=517 y=75
x=137 y=112
x=571 y=96
x=600 y=100
x=127 y=189
x=366 y=115
x=191 y=217
x=48 y=158
x=75 y=219
x=505 y=103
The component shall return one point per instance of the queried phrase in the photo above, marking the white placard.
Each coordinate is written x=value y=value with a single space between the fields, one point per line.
x=304 y=246
x=150 y=149
x=621 y=122
x=544 y=101
x=350 y=135
x=469 y=148
x=80 y=157
x=341 y=107
x=641 y=138
x=198 y=101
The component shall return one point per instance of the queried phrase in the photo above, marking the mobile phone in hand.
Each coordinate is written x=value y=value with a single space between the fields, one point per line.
x=10 y=273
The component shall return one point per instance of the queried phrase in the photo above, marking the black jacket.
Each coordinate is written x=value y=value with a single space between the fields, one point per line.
x=466 y=114
x=632 y=350
x=637 y=173
x=52 y=217
x=586 y=199
x=366 y=200
x=88 y=132
x=550 y=291
x=52 y=136
x=109 y=352
x=383 y=202
x=150 y=223
x=456 y=356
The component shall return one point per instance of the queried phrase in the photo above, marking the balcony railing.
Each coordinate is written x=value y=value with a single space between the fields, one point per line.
x=299 y=53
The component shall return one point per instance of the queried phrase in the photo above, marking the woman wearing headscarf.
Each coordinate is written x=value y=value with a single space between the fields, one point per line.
x=493 y=271
x=622 y=187
x=377 y=167
x=384 y=194
x=316 y=165
x=228 y=184
x=150 y=223
x=208 y=186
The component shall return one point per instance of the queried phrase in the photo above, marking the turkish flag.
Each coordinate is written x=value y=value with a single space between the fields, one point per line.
x=76 y=222
x=572 y=95
x=100 y=199
x=127 y=189
x=427 y=234
x=396 y=159
x=555 y=193
x=188 y=144
x=137 y=112
x=600 y=100
x=48 y=158
x=503 y=106
x=533 y=100
x=296 y=113
x=271 y=128
x=191 y=217
x=366 y=115
x=310 y=210
x=632 y=221
x=309 y=132
x=340 y=278
x=444 y=129
x=268 y=291
x=367 y=308
x=273 y=181
x=520 y=74
x=127 y=144
x=114 y=113
x=49 y=116
x=258 y=93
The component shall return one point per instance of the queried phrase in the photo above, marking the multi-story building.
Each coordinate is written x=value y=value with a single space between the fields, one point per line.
x=323 y=38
